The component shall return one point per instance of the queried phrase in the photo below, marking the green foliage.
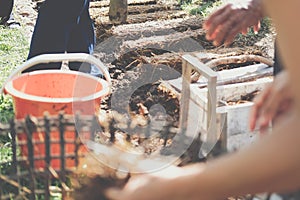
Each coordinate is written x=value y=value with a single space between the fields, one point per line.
x=5 y=157
x=6 y=114
x=206 y=8
x=13 y=52
x=6 y=109
x=200 y=7
x=14 y=48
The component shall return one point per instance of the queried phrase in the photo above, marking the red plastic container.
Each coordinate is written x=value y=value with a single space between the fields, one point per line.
x=55 y=91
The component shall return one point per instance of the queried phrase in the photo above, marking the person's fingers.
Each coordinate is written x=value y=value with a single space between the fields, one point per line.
x=276 y=100
x=232 y=33
x=256 y=108
x=218 y=39
x=229 y=38
x=270 y=107
x=218 y=23
x=256 y=27
x=212 y=17
x=283 y=109
x=232 y=27
x=263 y=127
x=237 y=27
x=263 y=119
x=253 y=116
x=227 y=32
x=245 y=30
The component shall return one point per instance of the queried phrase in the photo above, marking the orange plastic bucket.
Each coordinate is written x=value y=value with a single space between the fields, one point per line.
x=55 y=91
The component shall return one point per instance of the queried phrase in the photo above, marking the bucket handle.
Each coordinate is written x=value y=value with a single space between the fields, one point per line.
x=71 y=57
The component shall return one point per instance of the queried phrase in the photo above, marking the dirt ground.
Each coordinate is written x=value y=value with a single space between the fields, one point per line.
x=150 y=44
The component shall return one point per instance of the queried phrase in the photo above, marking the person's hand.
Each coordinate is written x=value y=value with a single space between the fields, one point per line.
x=224 y=24
x=161 y=185
x=273 y=102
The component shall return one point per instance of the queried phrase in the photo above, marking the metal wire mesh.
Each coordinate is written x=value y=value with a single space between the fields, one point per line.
x=23 y=180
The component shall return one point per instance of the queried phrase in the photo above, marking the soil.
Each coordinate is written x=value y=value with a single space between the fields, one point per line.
x=144 y=51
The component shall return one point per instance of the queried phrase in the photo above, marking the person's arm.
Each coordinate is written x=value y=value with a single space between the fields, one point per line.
x=285 y=15
x=270 y=165
x=235 y=17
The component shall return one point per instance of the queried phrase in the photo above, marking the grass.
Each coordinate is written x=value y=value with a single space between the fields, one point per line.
x=198 y=7
x=6 y=114
x=14 y=48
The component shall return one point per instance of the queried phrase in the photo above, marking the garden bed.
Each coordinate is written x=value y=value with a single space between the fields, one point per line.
x=142 y=54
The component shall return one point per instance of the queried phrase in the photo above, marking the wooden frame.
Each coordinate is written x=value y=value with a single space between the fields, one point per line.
x=190 y=62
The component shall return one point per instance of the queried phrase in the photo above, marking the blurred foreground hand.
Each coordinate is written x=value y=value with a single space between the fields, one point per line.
x=161 y=185
x=272 y=103
x=233 y=18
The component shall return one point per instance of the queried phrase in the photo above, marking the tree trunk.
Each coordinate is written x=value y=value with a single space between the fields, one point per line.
x=118 y=11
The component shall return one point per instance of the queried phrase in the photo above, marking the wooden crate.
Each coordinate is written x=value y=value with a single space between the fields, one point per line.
x=207 y=99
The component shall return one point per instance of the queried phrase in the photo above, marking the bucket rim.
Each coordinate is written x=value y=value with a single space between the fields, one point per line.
x=106 y=88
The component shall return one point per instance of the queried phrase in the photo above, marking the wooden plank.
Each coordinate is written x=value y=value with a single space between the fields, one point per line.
x=200 y=67
x=134 y=10
x=185 y=98
x=241 y=74
x=221 y=144
x=158 y=27
x=232 y=90
x=104 y=3
x=239 y=59
x=232 y=60
x=210 y=136
x=212 y=59
x=144 y=17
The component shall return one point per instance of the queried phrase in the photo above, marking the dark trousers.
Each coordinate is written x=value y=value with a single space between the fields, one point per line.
x=278 y=66
x=6 y=7
x=63 y=26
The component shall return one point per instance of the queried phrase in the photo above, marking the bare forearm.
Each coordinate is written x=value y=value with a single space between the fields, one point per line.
x=285 y=15
x=272 y=164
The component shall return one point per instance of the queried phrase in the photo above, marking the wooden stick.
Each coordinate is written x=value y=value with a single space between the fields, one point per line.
x=15 y=184
x=233 y=59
